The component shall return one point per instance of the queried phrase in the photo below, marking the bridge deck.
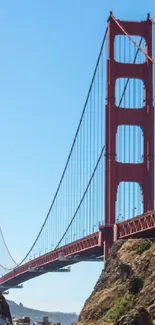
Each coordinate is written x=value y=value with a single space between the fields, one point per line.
x=140 y=226
x=84 y=247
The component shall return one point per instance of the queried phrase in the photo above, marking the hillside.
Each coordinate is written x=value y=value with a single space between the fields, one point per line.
x=125 y=291
x=21 y=311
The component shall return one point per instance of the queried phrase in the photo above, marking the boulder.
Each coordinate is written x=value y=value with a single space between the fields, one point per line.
x=139 y=317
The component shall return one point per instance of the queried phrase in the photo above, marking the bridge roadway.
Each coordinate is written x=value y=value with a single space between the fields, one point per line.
x=82 y=249
x=55 y=260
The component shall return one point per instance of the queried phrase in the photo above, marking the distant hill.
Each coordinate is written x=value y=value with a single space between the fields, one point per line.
x=34 y=314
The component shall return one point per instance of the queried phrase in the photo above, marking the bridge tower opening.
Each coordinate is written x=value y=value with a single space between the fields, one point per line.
x=116 y=172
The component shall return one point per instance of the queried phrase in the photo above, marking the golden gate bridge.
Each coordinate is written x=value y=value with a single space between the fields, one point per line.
x=106 y=190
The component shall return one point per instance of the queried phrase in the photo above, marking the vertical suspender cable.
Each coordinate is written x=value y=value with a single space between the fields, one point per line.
x=124 y=138
x=129 y=185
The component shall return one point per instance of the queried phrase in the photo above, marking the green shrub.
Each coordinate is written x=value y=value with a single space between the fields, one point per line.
x=144 y=245
x=120 y=307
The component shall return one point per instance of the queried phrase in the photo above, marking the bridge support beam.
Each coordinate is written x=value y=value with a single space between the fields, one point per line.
x=116 y=172
x=108 y=241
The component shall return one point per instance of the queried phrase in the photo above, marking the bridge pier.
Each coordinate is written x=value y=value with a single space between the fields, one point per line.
x=109 y=235
x=107 y=246
x=107 y=239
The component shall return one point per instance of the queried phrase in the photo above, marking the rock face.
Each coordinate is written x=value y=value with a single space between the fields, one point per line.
x=140 y=317
x=125 y=291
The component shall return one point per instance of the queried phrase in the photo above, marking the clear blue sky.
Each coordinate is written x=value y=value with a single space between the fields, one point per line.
x=48 y=50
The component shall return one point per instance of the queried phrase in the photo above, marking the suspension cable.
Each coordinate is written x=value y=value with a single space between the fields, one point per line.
x=125 y=87
x=132 y=40
x=153 y=61
x=68 y=159
x=124 y=91
x=152 y=21
x=83 y=196
x=5 y=244
x=89 y=183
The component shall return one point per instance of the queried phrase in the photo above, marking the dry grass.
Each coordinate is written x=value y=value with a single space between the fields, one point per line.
x=100 y=297
x=111 y=288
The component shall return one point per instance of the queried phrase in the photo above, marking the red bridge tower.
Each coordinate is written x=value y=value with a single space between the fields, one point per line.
x=116 y=172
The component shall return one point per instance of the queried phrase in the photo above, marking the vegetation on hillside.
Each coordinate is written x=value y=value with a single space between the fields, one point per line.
x=125 y=291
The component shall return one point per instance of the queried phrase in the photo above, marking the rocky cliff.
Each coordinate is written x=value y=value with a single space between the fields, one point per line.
x=125 y=291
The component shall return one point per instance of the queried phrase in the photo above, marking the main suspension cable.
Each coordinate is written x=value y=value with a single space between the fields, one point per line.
x=83 y=196
x=68 y=159
x=132 y=40
x=6 y=246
